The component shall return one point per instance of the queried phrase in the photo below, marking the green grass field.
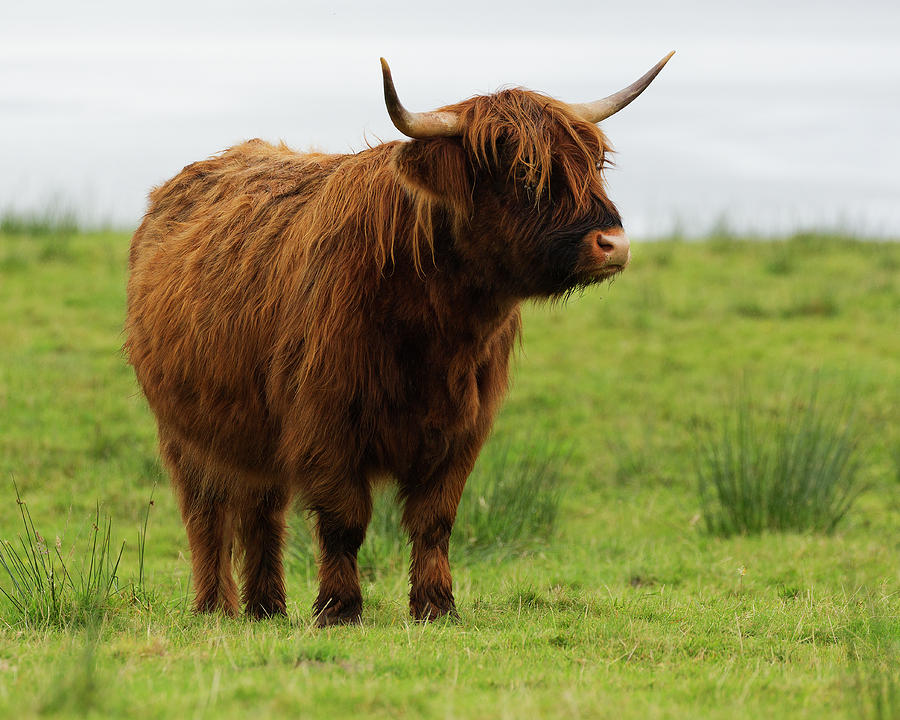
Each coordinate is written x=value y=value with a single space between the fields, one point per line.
x=625 y=606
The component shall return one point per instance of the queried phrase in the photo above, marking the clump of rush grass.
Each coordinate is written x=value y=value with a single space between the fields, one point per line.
x=796 y=469
x=42 y=588
x=511 y=501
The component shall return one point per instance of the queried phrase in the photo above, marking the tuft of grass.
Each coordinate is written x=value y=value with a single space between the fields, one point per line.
x=37 y=575
x=792 y=470
x=42 y=591
x=511 y=502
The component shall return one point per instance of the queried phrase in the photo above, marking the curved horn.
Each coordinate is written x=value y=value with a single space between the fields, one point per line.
x=599 y=110
x=416 y=125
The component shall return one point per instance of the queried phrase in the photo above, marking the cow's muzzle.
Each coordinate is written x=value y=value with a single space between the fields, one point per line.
x=609 y=249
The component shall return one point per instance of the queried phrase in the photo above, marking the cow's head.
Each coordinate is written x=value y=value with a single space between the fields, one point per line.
x=522 y=177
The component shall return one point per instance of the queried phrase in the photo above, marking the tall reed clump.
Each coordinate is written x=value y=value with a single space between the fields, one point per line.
x=796 y=469
x=511 y=502
x=43 y=588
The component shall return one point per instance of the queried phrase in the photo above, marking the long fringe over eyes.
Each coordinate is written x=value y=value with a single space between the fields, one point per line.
x=539 y=137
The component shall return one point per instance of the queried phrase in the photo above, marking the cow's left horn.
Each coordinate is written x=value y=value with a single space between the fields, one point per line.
x=601 y=109
x=416 y=125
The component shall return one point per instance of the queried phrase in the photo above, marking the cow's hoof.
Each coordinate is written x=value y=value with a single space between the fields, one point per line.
x=337 y=611
x=428 y=609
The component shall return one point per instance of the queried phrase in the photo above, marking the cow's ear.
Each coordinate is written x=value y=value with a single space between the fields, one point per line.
x=438 y=167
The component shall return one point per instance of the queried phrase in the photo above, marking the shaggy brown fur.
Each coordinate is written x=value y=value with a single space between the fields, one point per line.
x=302 y=324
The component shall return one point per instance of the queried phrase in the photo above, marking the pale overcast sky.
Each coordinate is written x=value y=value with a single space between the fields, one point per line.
x=775 y=115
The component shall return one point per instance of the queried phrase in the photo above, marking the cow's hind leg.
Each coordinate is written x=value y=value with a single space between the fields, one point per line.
x=209 y=522
x=341 y=524
x=261 y=532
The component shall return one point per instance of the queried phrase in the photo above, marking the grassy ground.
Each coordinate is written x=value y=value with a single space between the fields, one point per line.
x=629 y=608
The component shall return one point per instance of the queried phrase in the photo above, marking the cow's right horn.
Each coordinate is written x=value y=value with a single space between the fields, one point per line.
x=599 y=110
x=416 y=125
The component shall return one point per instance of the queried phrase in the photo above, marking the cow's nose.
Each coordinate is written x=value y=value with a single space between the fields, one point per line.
x=616 y=246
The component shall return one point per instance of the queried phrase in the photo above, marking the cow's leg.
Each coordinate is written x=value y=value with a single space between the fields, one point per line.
x=428 y=515
x=341 y=523
x=261 y=530
x=209 y=521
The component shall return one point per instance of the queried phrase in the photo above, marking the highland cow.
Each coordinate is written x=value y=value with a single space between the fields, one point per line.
x=303 y=324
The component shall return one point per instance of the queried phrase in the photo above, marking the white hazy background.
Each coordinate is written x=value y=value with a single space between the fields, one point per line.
x=772 y=116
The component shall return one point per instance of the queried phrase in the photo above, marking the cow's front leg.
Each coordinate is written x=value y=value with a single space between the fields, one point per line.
x=428 y=515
